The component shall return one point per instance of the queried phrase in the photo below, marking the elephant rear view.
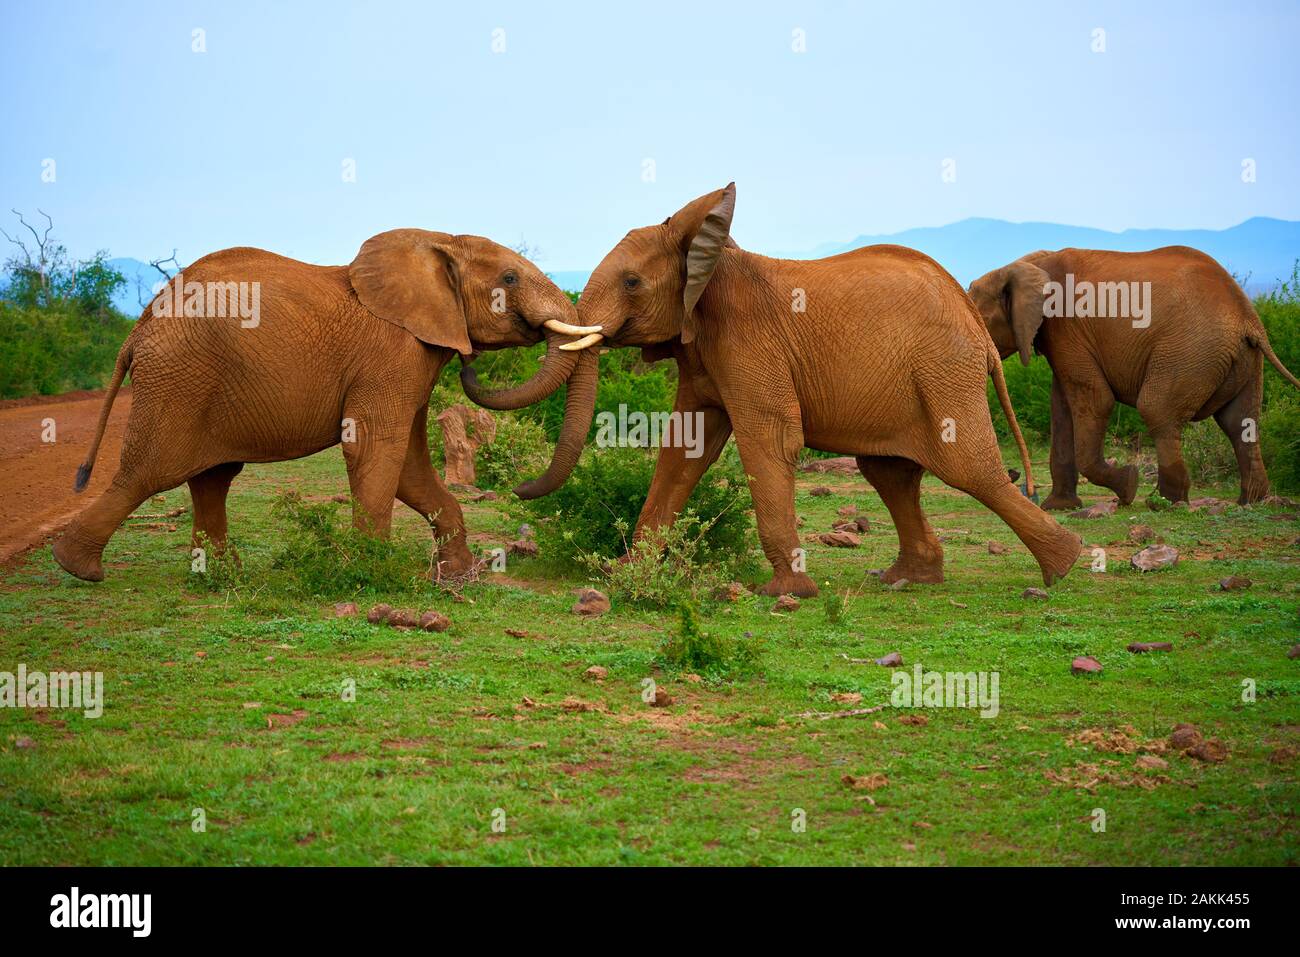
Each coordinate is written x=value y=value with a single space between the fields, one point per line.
x=1168 y=332
x=247 y=356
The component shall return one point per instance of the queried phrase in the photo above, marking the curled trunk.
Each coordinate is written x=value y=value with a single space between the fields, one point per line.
x=555 y=371
x=579 y=407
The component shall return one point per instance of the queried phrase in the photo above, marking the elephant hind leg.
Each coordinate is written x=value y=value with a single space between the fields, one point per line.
x=898 y=480
x=208 y=492
x=1090 y=409
x=80 y=549
x=1166 y=428
x=420 y=487
x=1239 y=420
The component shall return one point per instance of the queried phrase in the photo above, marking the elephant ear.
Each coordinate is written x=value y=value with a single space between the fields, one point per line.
x=1023 y=287
x=703 y=227
x=409 y=277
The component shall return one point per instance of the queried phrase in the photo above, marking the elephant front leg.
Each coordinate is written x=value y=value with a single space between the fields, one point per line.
x=422 y=489
x=768 y=453
x=1065 y=474
x=374 y=457
x=681 y=466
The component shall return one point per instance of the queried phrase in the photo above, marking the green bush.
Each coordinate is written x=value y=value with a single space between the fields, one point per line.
x=706 y=653
x=1279 y=433
x=610 y=485
x=663 y=572
x=57 y=348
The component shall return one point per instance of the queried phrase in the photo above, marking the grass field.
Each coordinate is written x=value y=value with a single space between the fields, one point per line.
x=231 y=703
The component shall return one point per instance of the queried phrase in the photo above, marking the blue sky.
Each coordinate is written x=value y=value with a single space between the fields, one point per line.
x=157 y=146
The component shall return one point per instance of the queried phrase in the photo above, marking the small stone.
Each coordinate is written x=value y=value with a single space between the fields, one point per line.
x=516 y=633
x=434 y=621
x=1155 y=557
x=404 y=618
x=692 y=677
x=839 y=539
x=596 y=673
x=345 y=609
x=899 y=585
x=525 y=530
x=1141 y=533
x=591 y=603
x=891 y=660
x=865 y=782
x=1184 y=736
x=821 y=491
x=1142 y=647
x=378 y=614
x=847 y=511
x=662 y=699
x=915 y=720
x=1211 y=751
x=1294 y=652
x=863 y=523
x=24 y=743
x=997 y=548
x=341 y=499
x=1037 y=593
x=1149 y=762
x=1085 y=665
x=1235 y=583
x=846 y=697
x=786 y=603
x=524 y=547
x=1100 y=510
x=732 y=591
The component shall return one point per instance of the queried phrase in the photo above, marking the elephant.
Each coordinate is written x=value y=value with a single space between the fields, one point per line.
x=1168 y=331
x=876 y=353
x=311 y=356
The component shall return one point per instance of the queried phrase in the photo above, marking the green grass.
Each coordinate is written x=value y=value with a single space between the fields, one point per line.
x=440 y=734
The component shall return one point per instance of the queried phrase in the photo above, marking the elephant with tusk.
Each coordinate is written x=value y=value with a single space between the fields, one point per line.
x=877 y=353
x=336 y=354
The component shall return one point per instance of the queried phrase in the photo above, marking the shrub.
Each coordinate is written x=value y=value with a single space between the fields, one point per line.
x=1279 y=433
x=1207 y=453
x=520 y=451
x=662 y=572
x=583 y=516
x=706 y=653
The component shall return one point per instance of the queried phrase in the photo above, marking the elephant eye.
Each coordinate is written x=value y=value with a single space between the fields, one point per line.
x=631 y=282
x=510 y=279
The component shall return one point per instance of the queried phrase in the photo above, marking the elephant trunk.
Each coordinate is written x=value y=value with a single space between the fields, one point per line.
x=556 y=368
x=579 y=407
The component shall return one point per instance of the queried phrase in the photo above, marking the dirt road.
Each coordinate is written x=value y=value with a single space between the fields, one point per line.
x=36 y=497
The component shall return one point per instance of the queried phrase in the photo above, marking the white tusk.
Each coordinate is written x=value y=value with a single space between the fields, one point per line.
x=582 y=343
x=557 y=325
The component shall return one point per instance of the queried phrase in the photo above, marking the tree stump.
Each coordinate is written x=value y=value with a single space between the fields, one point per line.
x=463 y=431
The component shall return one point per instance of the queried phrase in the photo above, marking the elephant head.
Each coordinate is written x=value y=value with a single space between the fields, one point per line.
x=1011 y=301
x=645 y=290
x=470 y=294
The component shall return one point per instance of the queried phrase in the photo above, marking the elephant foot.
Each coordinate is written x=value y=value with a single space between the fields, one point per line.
x=1059 y=502
x=914 y=570
x=78 y=557
x=454 y=561
x=1255 y=492
x=791 y=583
x=1059 y=557
x=1127 y=490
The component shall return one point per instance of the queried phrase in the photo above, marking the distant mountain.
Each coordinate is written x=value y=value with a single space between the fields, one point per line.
x=1263 y=249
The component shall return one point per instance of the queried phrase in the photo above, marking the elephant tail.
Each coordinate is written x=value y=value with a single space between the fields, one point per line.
x=1004 y=398
x=1259 y=339
x=119 y=373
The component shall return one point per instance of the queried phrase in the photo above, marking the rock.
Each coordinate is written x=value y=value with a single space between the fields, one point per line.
x=596 y=673
x=839 y=539
x=662 y=699
x=525 y=530
x=341 y=499
x=1211 y=751
x=1141 y=533
x=1184 y=736
x=379 y=614
x=865 y=782
x=1038 y=593
x=1149 y=762
x=434 y=621
x=1277 y=501
x=692 y=677
x=863 y=523
x=847 y=511
x=1100 y=510
x=24 y=743
x=1294 y=652
x=997 y=548
x=821 y=491
x=1283 y=517
x=404 y=618
x=516 y=633
x=591 y=603
x=488 y=496
x=732 y=591
x=1196 y=504
x=463 y=430
x=891 y=660
x=844 y=464
x=786 y=603
x=1142 y=647
x=345 y=609
x=1234 y=583
x=846 y=697
x=525 y=547
x=1154 y=557
x=915 y=720
x=1085 y=665
x=899 y=585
